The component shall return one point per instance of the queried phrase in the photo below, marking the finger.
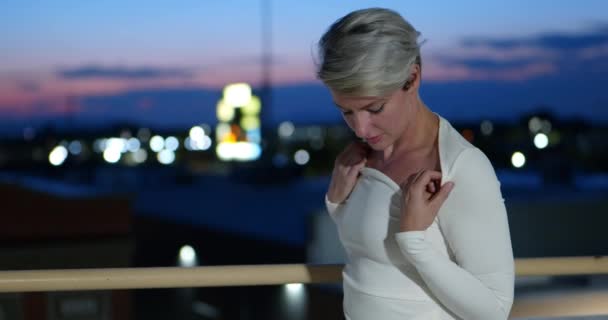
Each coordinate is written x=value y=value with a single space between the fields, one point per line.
x=430 y=187
x=353 y=154
x=428 y=176
x=348 y=147
x=405 y=185
x=348 y=150
x=411 y=181
x=361 y=164
x=438 y=198
x=355 y=159
x=414 y=177
x=361 y=151
x=356 y=169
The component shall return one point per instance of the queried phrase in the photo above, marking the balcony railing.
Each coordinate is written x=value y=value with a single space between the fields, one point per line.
x=251 y=275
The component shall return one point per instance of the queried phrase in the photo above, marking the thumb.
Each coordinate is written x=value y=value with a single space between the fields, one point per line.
x=354 y=170
x=443 y=193
x=405 y=185
x=361 y=163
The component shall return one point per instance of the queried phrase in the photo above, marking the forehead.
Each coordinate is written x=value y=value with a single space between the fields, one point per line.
x=354 y=102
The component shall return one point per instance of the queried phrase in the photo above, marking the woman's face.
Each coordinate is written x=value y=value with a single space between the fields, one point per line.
x=378 y=120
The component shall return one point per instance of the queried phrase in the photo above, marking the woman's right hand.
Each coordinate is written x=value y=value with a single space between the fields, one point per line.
x=347 y=166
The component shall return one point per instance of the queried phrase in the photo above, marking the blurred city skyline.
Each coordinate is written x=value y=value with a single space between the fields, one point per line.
x=164 y=63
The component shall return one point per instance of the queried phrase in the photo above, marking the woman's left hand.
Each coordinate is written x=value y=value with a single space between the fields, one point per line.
x=422 y=198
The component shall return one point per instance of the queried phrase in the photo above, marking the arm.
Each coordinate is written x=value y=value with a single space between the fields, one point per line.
x=480 y=284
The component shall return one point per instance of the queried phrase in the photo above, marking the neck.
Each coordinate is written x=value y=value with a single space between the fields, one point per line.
x=419 y=135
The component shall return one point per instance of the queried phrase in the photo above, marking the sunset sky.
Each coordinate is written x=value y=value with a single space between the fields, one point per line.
x=50 y=50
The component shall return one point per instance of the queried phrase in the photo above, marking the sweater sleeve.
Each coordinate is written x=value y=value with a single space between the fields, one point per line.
x=479 y=284
x=331 y=208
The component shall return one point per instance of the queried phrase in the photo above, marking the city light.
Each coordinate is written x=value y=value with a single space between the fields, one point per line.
x=171 y=143
x=140 y=156
x=535 y=124
x=189 y=144
x=286 y=129
x=111 y=155
x=237 y=94
x=119 y=144
x=225 y=112
x=187 y=256
x=113 y=149
x=99 y=145
x=58 y=155
x=221 y=131
x=204 y=144
x=241 y=151
x=250 y=123
x=198 y=140
x=518 y=159
x=541 y=140
x=294 y=288
x=238 y=138
x=197 y=133
x=206 y=128
x=201 y=144
x=253 y=107
x=546 y=126
x=75 y=147
x=166 y=157
x=301 y=157
x=157 y=143
x=295 y=298
x=487 y=128
x=133 y=144
x=254 y=136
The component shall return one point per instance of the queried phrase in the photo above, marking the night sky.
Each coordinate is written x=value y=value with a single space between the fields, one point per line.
x=163 y=63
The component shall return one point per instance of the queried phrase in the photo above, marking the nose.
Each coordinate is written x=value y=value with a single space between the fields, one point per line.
x=359 y=123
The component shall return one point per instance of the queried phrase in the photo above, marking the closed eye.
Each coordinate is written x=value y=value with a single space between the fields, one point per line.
x=377 y=110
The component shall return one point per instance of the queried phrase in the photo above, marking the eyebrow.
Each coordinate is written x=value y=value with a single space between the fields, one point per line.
x=363 y=107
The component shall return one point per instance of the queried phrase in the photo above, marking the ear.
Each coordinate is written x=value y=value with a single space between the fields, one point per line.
x=413 y=82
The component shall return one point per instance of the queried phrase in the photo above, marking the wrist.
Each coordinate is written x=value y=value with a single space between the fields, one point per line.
x=331 y=198
x=408 y=225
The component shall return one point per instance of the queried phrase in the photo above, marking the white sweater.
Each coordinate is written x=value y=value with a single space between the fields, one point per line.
x=461 y=267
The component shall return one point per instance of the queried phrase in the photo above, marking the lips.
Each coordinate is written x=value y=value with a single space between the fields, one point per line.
x=373 y=140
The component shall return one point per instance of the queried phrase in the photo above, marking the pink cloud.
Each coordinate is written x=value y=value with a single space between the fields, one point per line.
x=436 y=71
x=498 y=54
x=52 y=92
x=594 y=52
x=523 y=73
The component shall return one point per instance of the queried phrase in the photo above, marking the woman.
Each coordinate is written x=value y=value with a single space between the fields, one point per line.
x=418 y=208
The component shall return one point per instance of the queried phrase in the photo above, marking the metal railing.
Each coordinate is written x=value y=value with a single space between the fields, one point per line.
x=251 y=275
x=244 y=275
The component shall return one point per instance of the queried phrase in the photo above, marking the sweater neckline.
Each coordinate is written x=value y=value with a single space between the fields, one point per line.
x=381 y=176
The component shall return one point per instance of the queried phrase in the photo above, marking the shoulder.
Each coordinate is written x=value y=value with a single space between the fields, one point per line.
x=459 y=158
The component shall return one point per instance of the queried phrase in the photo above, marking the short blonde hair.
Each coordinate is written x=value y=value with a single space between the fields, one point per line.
x=368 y=52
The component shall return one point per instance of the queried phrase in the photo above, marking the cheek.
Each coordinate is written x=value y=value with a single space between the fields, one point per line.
x=386 y=122
x=393 y=125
